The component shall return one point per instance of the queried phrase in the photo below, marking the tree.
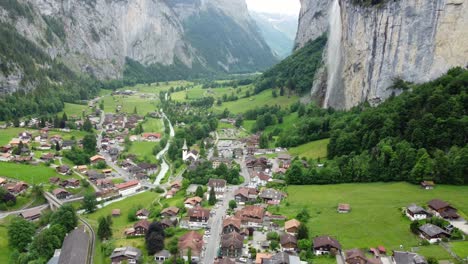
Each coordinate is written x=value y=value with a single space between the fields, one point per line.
x=232 y=204
x=87 y=126
x=423 y=168
x=212 y=199
x=239 y=121
x=65 y=216
x=199 y=192
x=101 y=105
x=432 y=260
x=20 y=233
x=304 y=244
x=155 y=238
x=135 y=111
x=89 y=202
x=104 y=228
x=303 y=216
x=302 y=232
x=57 y=147
x=89 y=143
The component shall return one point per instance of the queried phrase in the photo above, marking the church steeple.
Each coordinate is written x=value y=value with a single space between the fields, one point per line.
x=185 y=145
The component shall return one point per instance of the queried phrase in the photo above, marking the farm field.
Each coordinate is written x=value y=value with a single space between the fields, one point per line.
x=312 y=150
x=7 y=134
x=74 y=110
x=376 y=207
x=153 y=125
x=12 y=132
x=128 y=103
x=143 y=150
x=28 y=173
x=198 y=92
x=5 y=251
x=460 y=248
x=261 y=99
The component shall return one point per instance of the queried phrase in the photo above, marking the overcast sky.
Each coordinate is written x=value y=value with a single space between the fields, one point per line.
x=275 y=6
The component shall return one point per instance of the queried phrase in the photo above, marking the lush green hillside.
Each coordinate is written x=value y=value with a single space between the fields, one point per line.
x=419 y=135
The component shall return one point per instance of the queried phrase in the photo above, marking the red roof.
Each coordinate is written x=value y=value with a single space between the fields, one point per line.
x=128 y=184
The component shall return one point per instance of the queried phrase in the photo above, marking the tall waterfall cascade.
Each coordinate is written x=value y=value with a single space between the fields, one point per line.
x=334 y=54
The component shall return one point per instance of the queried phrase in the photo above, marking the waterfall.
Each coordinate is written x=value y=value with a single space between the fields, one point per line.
x=334 y=53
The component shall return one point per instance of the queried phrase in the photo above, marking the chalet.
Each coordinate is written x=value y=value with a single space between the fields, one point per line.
x=176 y=184
x=104 y=183
x=427 y=185
x=262 y=257
x=6 y=157
x=356 y=256
x=258 y=165
x=54 y=180
x=97 y=158
x=141 y=227
x=232 y=244
x=148 y=168
x=282 y=258
x=25 y=136
x=2 y=181
x=82 y=168
x=116 y=212
x=70 y=183
x=63 y=169
x=231 y=224
x=198 y=217
x=219 y=186
x=244 y=194
x=170 y=212
x=44 y=146
x=142 y=214
x=162 y=256
x=343 y=208
x=171 y=193
x=61 y=193
x=292 y=226
x=432 y=233
x=259 y=179
x=271 y=196
x=251 y=216
x=128 y=188
x=191 y=242
x=192 y=202
x=94 y=175
x=152 y=137
x=166 y=222
x=443 y=209
x=288 y=242
x=17 y=188
x=326 y=245
x=68 y=144
x=31 y=215
x=129 y=255
x=403 y=257
x=47 y=157
x=415 y=212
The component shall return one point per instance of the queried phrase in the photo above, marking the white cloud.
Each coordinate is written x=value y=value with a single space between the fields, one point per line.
x=275 y=6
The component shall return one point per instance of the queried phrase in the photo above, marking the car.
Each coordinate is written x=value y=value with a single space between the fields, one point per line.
x=243 y=260
x=207 y=232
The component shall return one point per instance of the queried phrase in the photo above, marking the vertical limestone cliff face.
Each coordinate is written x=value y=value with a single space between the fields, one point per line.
x=313 y=20
x=413 y=40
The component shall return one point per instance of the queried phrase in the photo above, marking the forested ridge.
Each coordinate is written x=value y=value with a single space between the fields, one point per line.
x=419 y=135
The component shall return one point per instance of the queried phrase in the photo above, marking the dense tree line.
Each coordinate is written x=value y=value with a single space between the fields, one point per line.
x=204 y=172
x=418 y=135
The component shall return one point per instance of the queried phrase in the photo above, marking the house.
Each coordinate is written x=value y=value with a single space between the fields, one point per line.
x=224 y=261
x=356 y=256
x=193 y=242
x=97 y=158
x=31 y=215
x=54 y=180
x=106 y=171
x=232 y=244
x=152 y=137
x=94 y=175
x=216 y=162
x=198 y=217
x=82 y=168
x=142 y=214
x=47 y=157
x=128 y=188
x=171 y=193
x=188 y=155
x=245 y=194
x=61 y=193
x=282 y=258
x=162 y=255
x=141 y=227
x=148 y=168
x=6 y=157
x=104 y=183
x=443 y=209
x=166 y=223
x=291 y=226
x=219 y=186
x=259 y=179
x=403 y=257
x=344 y=208
x=75 y=247
x=176 y=184
x=262 y=257
x=427 y=185
x=128 y=255
x=68 y=144
x=17 y=188
x=141 y=176
x=251 y=215
x=432 y=233
x=63 y=169
x=70 y=183
x=44 y=146
x=326 y=245
x=231 y=224
x=170 y=212
x=415 y=212
x=192 y=202
x=288 y=242
x=271 y=196
x=115 y=212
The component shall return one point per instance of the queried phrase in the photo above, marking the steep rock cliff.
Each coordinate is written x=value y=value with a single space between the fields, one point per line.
x=413 y=40
x=313 y=20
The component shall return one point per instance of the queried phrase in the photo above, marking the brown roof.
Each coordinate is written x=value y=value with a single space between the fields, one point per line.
x=96 y=157
x=251 y=213
x=354 y=253
x=291 y=223
x=31 y=213
x=224 y=261
x=261 y=256
x=58 y=191
x=322 y=241
x=232 y=239
x=116 y=212
x=217 y=183
x=234 y=221
x=427 y=183
x=437 y=204
x=192 y=240
x=170 y=210
x=142 y=212
x=199 y=212
x=193 y=200
x=142 y=223
x=288 y=238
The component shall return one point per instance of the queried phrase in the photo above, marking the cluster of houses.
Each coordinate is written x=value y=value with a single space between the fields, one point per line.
x=13 y=187
x=140 y=171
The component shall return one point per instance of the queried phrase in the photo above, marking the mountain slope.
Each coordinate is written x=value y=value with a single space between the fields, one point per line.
x=278 y=31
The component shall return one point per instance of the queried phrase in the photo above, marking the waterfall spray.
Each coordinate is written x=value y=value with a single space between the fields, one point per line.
x=334 y=52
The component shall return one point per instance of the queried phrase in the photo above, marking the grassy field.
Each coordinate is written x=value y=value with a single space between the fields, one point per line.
x=28 y=173
x=75 y=109
x=5 y=251
x=312 y=150
x=121 y=222
x=143 y=150
x=128 y=103
x=7 y=134
x=153 y=125
x=375 y=218
x=434 y=251
x=198 y=92
x=460 y=248
x=155 y=88
x=261 y=99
